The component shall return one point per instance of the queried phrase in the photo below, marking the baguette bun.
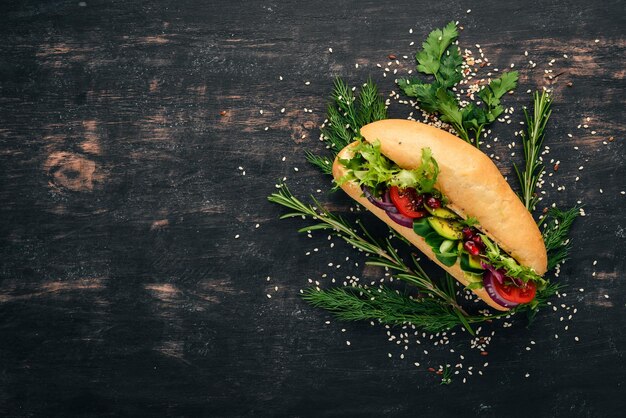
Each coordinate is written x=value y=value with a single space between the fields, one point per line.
x=471 y=182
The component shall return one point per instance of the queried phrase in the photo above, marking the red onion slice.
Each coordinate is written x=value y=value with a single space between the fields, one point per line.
x=488 y=282
x=401 y=219
x=384 y=203
x=497 y=274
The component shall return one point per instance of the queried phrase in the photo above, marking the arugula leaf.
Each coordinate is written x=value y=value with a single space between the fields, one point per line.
x=369 y=167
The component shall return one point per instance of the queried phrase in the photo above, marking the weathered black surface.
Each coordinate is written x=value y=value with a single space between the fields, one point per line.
x=122 y=287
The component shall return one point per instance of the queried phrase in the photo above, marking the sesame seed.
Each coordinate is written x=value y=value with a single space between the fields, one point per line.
x=269 y=296
x=280 y=77
x=347 y=342
x=606 y=296
x=257 y=225
x=527 y=375
x=597 y=40
x=331 y=51
x=469 y=11
x=237 y=236
x=307 y=83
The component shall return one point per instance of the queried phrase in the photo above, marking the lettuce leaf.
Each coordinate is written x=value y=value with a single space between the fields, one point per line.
x=369 y=167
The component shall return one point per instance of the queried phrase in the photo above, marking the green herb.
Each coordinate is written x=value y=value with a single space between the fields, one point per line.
x=555 y=234
x=532 y=140
x=541 y=299
x=385 y=305
x=470 y=221
x=345 y=116
x=513 y=269
x=369 y=167
x=446 y=376
x=379 y=254
x=435 y=308
x=441 y=59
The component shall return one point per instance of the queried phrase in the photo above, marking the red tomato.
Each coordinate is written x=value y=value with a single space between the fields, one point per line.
x=408 y=202
x=512 y=293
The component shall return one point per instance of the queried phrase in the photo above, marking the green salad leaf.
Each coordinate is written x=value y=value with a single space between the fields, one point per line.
x=513 y=269
x=369 y=167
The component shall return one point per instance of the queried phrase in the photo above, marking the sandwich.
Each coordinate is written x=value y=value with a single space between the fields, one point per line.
x=451 y=202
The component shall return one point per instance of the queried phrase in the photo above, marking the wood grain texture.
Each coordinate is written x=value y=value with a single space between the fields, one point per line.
x=123 y=290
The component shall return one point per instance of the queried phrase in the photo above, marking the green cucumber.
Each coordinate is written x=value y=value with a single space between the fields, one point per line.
x=446 y=246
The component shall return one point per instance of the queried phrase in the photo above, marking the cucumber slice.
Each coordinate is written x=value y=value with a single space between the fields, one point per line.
x=446 y=246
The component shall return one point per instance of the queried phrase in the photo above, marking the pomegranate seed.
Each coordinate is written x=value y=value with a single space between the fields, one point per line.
x=433 y=202
x=467 y=233
x=479 y=242
x=471 y=247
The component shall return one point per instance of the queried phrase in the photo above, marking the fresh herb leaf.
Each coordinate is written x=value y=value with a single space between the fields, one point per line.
x=383 y=304
x=532 y=141
x=440 y=57
x=345 y=116
x=555 y=234
x=436 y=44
x=323 y=163
x=470 y=221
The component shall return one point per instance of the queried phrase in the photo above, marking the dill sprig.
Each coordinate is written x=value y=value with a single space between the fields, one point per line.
x=384 y=305
x=532 y=140
x=346 y=114
x=555 y=234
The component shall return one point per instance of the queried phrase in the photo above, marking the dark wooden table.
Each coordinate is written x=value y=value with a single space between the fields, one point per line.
x=133 y=273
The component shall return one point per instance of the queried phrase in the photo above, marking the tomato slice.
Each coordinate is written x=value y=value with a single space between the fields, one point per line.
x=408 y=202
x=512 y=293
x=526 y=293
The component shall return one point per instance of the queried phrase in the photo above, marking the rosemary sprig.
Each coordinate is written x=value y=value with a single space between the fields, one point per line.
x=344 y=118
x=532 y=140
x=379 y=254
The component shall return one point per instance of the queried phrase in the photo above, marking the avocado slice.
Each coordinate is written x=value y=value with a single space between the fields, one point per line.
x=473 y=277
x=441 y=212
x=474 y=262
x=447 y=229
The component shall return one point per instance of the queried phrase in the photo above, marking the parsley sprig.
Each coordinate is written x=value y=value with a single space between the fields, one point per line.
x=441 y=59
